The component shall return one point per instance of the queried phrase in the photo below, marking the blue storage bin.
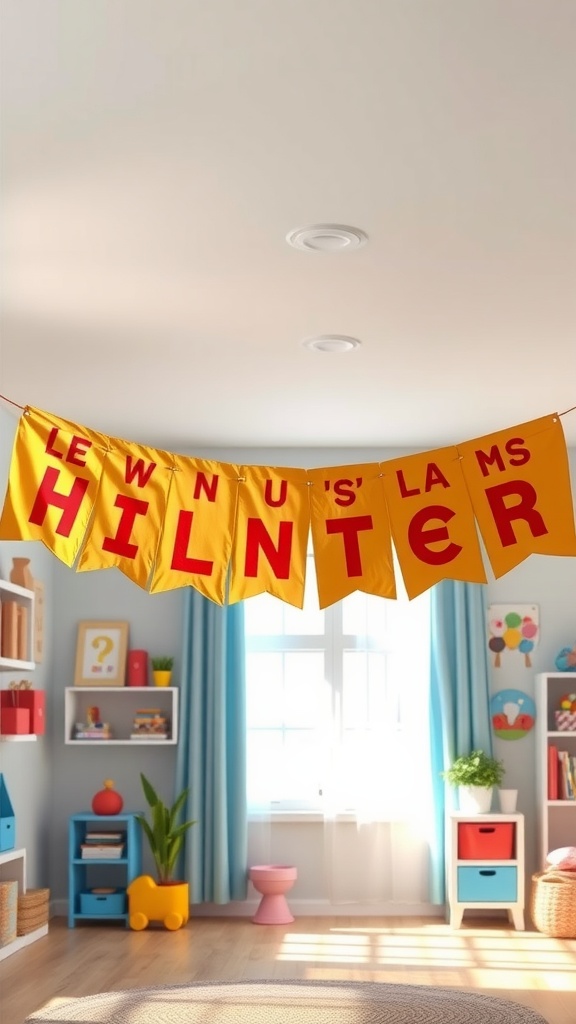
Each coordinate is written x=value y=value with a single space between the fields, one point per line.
x=7 y=819
x=95 y=903
x=487 y=885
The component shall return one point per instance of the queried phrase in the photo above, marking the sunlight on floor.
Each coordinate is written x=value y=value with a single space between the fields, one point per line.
x=489 y=958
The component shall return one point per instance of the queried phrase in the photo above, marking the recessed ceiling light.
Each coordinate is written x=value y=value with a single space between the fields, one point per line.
x=327 y=238
x=331 y=343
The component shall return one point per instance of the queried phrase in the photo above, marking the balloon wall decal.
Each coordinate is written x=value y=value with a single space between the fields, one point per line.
x=513 y=628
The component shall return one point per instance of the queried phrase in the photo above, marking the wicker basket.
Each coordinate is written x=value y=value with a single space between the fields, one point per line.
x=553 y=904
x=8 y=897
x=33 y=909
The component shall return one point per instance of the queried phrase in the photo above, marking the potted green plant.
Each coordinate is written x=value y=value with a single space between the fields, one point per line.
x=475 y=774
x=162 y=670
x=165 y=899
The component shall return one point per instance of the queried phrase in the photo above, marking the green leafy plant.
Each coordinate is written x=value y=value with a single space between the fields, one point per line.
x=162 y=664
x=475 y=769
x=165 y=835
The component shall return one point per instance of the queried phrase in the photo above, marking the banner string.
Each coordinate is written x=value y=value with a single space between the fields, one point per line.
x=18 y=406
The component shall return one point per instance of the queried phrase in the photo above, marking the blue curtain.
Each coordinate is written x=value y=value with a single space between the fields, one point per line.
x=459 y=699
x=211 y=757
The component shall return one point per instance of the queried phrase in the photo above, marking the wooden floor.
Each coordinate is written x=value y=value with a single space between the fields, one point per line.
x=484 y=955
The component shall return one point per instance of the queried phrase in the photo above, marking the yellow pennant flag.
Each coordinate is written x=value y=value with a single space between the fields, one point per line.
x=519 y=484
x=269 y=549
x=53 y=481
x=432 y=520
x=350 y=533
x=196 y=539
x=129 y=511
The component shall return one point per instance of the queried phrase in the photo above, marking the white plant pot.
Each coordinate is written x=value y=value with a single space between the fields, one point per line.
x=474 y=799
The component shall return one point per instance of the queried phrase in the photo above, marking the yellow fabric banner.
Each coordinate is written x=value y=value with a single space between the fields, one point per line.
x=350 y=532
x=432 y=520
x=129 y=511
x=54 y=476
x=196 y=539
x=519 y=483
x=269 y=549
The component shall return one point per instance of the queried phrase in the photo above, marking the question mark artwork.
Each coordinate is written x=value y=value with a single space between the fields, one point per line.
x=513 y=628
x=104 y=645
x=101 y=653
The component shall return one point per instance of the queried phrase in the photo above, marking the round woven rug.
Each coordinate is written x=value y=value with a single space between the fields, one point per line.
x=289 y=1002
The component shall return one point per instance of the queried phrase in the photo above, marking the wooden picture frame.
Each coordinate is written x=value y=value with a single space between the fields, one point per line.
x=101 y=654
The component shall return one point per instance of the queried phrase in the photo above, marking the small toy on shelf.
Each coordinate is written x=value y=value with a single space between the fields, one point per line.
x=107 y=801
x=566 y=659
x=565 y=718
x=93 y=728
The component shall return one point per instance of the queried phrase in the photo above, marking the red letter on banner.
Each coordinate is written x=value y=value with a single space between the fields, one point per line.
x=70 y=503
x=119 y=545
x=257 y=537
x=419 y=538
x=180 y=560
x=349 y=529
x=524 y=509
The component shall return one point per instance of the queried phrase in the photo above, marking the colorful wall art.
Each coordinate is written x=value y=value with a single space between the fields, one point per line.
x=513 y=627
x=512 y=713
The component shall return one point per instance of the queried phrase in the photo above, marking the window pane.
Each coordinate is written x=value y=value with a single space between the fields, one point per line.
x=304 y=688
x=265 y=675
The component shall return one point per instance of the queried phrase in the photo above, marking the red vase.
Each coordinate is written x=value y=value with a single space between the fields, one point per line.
x=107 y=801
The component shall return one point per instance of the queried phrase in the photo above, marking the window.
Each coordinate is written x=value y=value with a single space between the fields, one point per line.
x=337 y=703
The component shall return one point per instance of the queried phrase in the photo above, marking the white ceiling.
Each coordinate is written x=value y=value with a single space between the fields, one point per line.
x=156 y=152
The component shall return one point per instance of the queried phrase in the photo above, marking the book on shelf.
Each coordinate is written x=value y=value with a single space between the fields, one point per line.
x=93 y=734
x=103 y=838
x=567 y=775
x=108 y=852
x=148 y=735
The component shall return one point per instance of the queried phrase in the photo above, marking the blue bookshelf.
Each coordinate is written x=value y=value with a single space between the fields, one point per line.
x=85 y=875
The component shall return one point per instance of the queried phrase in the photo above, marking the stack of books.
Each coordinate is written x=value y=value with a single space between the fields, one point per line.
x=149 y=724
x=103 y=845
x=99 y=731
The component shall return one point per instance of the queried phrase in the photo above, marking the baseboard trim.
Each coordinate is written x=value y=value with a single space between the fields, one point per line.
x=300 y=908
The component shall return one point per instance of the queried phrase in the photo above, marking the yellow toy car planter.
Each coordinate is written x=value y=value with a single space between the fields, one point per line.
x=148 y=901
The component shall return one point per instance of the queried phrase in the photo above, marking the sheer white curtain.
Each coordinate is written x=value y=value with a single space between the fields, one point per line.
x=337 y=707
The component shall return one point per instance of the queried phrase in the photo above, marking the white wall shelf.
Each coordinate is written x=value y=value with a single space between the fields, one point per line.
x=13 y=869
x=26 y=737
x=13 y=592
x=118 y=705
x=556 y=817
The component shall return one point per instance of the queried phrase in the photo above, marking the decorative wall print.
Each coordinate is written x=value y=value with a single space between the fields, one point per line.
x=513 y=714
x=101 y=653
x=513 y=627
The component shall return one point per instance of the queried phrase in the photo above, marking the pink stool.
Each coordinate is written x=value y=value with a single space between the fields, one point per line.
x=273 y=881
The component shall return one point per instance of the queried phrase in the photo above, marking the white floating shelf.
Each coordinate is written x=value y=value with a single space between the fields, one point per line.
x=18 y=737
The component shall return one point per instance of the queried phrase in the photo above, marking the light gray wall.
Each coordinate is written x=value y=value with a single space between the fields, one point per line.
x=27 y=767
x=66 y=778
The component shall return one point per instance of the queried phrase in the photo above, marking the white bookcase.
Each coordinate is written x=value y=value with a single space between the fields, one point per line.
x=556 y=818
x=118 y=705
x=13 y=592
x=13 y=869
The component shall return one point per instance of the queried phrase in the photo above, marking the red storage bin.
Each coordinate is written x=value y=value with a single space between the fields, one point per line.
x=490 y=840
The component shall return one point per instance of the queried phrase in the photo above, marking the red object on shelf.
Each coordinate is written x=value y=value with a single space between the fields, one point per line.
x=34 y=701
x=552 y=773
x=137 y=668
x=14 y=721
x=107 y=801
x=491 y=840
